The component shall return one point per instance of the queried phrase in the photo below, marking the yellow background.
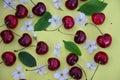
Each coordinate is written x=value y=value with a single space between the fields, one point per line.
x=110 y=71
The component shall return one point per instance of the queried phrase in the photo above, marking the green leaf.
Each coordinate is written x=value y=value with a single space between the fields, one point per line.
x=70 y=46
x=92 y=6
x=27 y=59
x=43 y=23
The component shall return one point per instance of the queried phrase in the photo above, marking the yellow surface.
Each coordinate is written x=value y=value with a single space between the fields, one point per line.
x=110 y=71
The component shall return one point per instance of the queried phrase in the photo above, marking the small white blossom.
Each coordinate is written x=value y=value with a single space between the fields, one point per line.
x=57 y=3
x=90 y=45
x=24 y=1
x=61 y=74
x=18 y=74
x=80 y=19
x=34 y=35
x=9 y=4
x=41 y=69
x=55 y=21
x=57 y=49
x=27 y=26
x=91 y=65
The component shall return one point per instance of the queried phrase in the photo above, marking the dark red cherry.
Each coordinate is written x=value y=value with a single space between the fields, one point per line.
x=53 y=64
x=8 y=58
x=68 y=22
x=39 y=9
x=104 y=40
x=7 y=36
x=98 y=18
x=25 y=40
x=72 y=59
x=21 y=11
x=75 y=72
x=101 y=58
x=41 y=48
x=71 y=4
x=11 y=21
x=80 y=37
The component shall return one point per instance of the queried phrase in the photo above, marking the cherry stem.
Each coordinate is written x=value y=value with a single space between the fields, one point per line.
x=9 y=5
x=23 y=48
x=60 y=8
x=1 y=62
x=32 y=2
x=96 y=28
x=65 y=33
x=36 y=68
x=0 y=41
x=95 y=71
x=15 y=33
x=83 y=71
x=2 y=25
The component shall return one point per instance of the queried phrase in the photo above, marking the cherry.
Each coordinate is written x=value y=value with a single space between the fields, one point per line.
x=7 y=36
x=75 y=72
x=98 y=18
x=71 y=4
x=68 y=22
x=39 y=9
x=72 y=59
x=25 y=40
x=80 y=37
x=11 y=21
x=54 y=64
x=104 y=40
x=21 y=11
x=8 y=58
x=42 y=48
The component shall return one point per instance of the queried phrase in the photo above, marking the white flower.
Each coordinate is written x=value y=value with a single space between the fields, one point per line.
x=80 y=19
x=34 y=35
x=57 y=49
x=24 y=1
x=90 y=45
x=9 y=4
x=41 y=69
x=55 y=21
x=91 y=65
x=61 y=74
x=27 y=26
x=57 y=3
x=18 y=74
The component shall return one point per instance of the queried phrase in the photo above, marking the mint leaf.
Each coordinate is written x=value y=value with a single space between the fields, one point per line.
x=70 y=46
x=27 y=59
x=43 y=23
x=92 y=6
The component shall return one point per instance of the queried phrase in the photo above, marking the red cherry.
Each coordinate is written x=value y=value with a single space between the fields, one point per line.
x=42 y=48
x=68 y=22
x=71 y=4
x=21 y=11
x=7 y=36
x=8 y=58
x=11 y=21
x=75 y=72
x=39 y=9
x=98 y=18
x=53 y=64
x=72 y=59
x=101 y=58
x=80 y=37
x=25 y=40
x=104 y=40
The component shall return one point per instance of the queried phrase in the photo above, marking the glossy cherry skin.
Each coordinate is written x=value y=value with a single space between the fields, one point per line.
x=7 y=36
x=68 y=22
x=25 y=40
x=101 y=58
x=42 y=48
x=98 y=18
x=53 y=64
x=8 y=58
x=72 y=59
x=21 y=11
x=11 y=21
x=75 y=72
x=39 y=9
x=80 y=37
x=104 y=41
x=71 y=4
